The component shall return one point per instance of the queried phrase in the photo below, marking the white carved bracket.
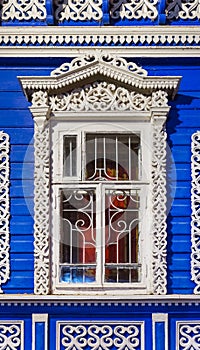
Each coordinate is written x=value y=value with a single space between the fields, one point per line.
x=84 y=85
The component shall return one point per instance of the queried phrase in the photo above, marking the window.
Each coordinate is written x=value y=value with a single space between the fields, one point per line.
x=104 y=100
x=100 y=190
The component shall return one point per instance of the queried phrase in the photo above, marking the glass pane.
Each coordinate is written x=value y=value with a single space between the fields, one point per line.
x=121 y=236
x=69 y=156
x=78 y=236
x=112 y=157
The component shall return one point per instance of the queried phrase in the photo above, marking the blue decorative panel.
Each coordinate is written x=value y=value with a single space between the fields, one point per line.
x=96 y=335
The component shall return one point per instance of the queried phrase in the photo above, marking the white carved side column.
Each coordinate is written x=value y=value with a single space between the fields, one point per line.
x=40 y=112
x=4 y=209
x=195 y=222
x=159 y=199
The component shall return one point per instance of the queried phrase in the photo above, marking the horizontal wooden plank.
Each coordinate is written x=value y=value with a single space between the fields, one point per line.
x=23 y=244
x=21 y=206
x=181 y=207
x=21 y=281
x=13 y=100
x=17 y=264
x=180 y=280
x=181 y=191
x=178 y=225
x=181 y=137
x=181 y=118
x=21 y=225
x=181 y=244
x=20 y=136
x=22 y=153
x=22 y=171
x=8 y=76
x=179 y=262
x=181 y=154
x=21 y=188
x=16 y=118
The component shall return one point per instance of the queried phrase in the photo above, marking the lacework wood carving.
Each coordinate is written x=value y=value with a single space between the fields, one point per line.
x=185 y=10
x=134 y=9
x=159 y=209
x=101 y=336
x=41 y=227
x=11 y=335
x=4 y=209
x=84 y=10
x=100 y=96
x=187 y=335
x=23 y=10
x=195 y=223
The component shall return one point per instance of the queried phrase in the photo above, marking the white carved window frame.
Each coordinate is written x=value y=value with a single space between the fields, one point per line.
x=146 y=102
x=60 y=127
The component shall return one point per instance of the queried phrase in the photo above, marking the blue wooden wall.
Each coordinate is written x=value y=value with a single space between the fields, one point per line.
x=16 y=120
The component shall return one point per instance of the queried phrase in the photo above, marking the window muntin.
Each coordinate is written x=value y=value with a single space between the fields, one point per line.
x=112 y=157
x=100 y=234
x=69 y=156
x=100 y=226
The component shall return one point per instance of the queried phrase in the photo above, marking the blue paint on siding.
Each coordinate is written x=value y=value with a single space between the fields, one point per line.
x=160 y=335
x=39 y=336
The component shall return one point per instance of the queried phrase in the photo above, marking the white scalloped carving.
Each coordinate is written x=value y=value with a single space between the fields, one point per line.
x=101 y=96
x=183 y=9
x=105 y=36
x=23 y=10
x=4 y=209
x=78 y=10
x=159 y=232
x=111 y=60
x=195 y=223
x=41 y=209
x=134 y=9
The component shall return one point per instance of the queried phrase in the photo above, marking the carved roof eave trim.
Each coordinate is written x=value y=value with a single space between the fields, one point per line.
x=91 y=72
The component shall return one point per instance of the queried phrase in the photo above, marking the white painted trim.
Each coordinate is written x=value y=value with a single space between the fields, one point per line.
x=92 y=298
x=160 y=318
x=44 y=319
x=60 y=51
x=162 y=41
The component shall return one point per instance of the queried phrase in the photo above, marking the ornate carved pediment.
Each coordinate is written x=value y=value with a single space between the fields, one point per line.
x=99 y=67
